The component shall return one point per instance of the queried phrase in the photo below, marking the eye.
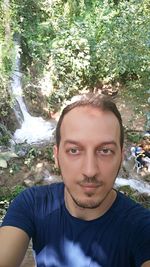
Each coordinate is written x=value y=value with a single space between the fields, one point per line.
x=73 y=151
x=105 y=151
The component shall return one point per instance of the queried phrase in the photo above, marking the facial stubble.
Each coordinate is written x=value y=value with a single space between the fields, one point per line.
x=89 y=204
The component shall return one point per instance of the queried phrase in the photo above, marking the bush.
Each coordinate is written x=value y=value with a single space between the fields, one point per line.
x=83 y=43
x=105 y=43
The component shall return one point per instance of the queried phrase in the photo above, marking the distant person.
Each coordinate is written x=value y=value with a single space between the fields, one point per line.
x=83 y=221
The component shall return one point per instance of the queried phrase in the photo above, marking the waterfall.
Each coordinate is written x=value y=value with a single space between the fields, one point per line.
x=32 y=129
x=19 y=105
x=141 y=186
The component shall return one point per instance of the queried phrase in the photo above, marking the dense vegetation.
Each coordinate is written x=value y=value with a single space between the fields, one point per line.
x=79 y=44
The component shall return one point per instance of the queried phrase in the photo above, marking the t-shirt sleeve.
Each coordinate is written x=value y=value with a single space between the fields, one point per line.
x=20 y=213
x=141 y=240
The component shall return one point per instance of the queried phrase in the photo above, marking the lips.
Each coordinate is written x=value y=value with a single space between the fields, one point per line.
x=89 y=189
x=89 y=185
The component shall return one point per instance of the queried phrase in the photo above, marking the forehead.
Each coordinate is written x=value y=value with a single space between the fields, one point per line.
x=88 y=122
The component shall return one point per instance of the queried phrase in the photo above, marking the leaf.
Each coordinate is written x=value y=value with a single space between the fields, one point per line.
x=3 y=163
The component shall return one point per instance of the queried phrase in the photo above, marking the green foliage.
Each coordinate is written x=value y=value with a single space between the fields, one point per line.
x=16 y=190
x=50 y=154
x=80 y=42
x=14 y=168
x=30 y=157
x=5 y=102
x=140 y=198
x=55 y=99
x=30 y=20
x=134 y=137
x=4 y=140
x=5 y=64
x=71 y=59
x=104 y=43
x=5 y=135
x=7 y=194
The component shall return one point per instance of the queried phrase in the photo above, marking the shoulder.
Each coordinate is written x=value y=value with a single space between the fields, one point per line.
x=32 y=204
x=133 y=214
x=37 y=200
x=44 y=190
x=129 y=206
x=40 y=195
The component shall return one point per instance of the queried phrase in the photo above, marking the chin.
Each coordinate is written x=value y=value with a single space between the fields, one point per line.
x=87 y=203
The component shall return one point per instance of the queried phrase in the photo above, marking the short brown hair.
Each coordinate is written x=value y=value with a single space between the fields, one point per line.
x=96 y=101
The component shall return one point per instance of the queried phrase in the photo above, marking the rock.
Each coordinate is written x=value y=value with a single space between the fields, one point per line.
x=144 y=173
x=38 y=178
x=128 y=165
x=28 y=182
x=39 y=165
x=52 y=179
x=148 y=100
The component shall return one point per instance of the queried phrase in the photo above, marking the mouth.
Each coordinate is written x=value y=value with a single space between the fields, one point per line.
x=91 y=184
x=90 y=187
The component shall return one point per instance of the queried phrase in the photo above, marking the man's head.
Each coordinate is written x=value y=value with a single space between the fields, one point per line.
x=94 y=101
x=89 y=154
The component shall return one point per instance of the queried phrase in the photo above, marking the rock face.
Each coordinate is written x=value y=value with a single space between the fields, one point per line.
x=41 y=174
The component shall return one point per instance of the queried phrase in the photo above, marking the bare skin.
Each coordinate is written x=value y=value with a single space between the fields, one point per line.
x=89 y=157
x=146 y=264
x=13 y=245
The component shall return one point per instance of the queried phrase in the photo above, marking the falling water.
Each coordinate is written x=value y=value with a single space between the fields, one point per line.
x=141 y=186
x=33 y=129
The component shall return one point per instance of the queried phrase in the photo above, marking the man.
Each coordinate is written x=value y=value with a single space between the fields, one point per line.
x=82 y=222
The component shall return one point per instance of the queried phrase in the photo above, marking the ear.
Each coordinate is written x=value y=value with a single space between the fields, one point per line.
x=55 y=152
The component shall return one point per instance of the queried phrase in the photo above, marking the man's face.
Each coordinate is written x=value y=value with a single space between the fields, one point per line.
x=89 y=156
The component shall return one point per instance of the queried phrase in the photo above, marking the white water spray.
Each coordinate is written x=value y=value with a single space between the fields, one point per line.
x=33 y=129
x=141 y=186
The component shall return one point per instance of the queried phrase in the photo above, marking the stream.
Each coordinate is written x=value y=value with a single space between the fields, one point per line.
x=32 y=130
x=141 y=186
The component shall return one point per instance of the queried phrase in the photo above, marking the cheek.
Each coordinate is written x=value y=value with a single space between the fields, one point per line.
x=70 y=170
x=67 y=165
x=110 y=167
x=68 y=161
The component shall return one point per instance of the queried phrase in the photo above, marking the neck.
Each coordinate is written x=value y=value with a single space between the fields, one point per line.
x=88 y=214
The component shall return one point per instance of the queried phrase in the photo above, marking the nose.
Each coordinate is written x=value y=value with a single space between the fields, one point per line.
x=90 y=165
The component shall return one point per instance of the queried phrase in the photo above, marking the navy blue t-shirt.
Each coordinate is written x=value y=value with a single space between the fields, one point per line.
x=119 y=238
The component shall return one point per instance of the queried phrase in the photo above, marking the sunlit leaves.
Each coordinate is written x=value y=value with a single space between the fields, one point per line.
x=86 y=41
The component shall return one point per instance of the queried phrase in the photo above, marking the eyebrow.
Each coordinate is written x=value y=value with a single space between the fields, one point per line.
x=70 y=141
